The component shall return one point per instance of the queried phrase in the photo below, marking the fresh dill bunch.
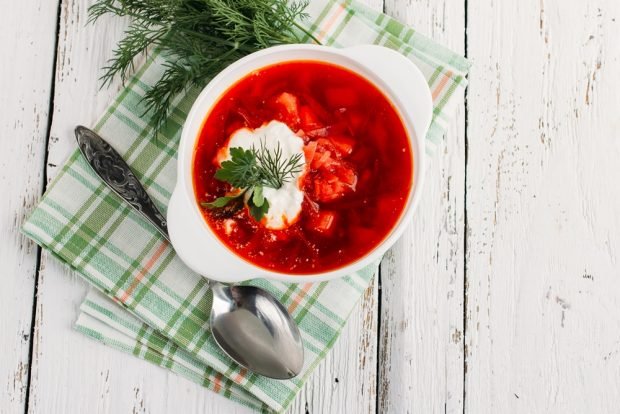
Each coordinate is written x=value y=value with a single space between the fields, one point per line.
x=198 y=38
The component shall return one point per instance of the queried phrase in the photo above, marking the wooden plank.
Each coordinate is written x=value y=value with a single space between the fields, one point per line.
x=421 y=321
x=27 y=44
x=543 y=311
x=72 y=373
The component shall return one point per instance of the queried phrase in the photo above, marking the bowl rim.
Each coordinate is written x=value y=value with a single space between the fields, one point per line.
x=354 y=59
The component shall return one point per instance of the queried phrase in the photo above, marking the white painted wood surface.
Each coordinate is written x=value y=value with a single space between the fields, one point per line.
x=25 y=85
x=517 y=236
x=421 y=341
x=543 y=207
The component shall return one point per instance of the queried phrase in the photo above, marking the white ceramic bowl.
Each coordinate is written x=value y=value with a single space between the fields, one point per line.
x=396 y=76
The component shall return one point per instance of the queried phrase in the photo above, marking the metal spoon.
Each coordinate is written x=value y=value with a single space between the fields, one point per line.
x=247 y=322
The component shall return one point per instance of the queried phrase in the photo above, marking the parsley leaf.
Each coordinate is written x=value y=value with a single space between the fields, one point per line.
x=240 y=170
x=257 y=212
x=219 y=202
x=257 y=196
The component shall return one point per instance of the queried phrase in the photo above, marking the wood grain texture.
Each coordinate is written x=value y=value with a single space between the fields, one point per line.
x=25 y=87
x=543 y=207
x=421 y=338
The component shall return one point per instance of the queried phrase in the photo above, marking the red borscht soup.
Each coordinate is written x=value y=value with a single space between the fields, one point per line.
x=353 y=176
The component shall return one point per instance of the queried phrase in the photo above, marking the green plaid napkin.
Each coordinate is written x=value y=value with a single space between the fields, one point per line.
x=146 y=301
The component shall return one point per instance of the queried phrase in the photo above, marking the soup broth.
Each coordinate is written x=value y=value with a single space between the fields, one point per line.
x=356 y=178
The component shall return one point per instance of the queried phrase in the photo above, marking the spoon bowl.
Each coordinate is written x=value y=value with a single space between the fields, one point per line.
x=248 y=321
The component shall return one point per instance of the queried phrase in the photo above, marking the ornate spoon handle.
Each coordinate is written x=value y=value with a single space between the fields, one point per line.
x=114 y=171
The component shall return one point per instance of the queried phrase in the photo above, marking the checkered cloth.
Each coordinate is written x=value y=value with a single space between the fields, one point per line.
x=146 y=302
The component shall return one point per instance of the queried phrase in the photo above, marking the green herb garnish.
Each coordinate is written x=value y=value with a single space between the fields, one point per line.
x=252 y=170
x=198 y=38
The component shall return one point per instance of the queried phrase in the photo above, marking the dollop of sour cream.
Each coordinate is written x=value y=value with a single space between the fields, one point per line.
x=284 y=202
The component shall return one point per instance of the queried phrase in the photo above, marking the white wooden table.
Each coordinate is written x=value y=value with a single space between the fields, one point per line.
x=504 y=294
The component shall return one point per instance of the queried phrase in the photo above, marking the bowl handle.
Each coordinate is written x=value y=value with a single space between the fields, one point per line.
x=190 y=243
x=403 y=77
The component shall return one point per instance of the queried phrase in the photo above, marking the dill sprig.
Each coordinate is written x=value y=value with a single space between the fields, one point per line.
x=272 y=169
x=249 y=171
x=198 y=39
